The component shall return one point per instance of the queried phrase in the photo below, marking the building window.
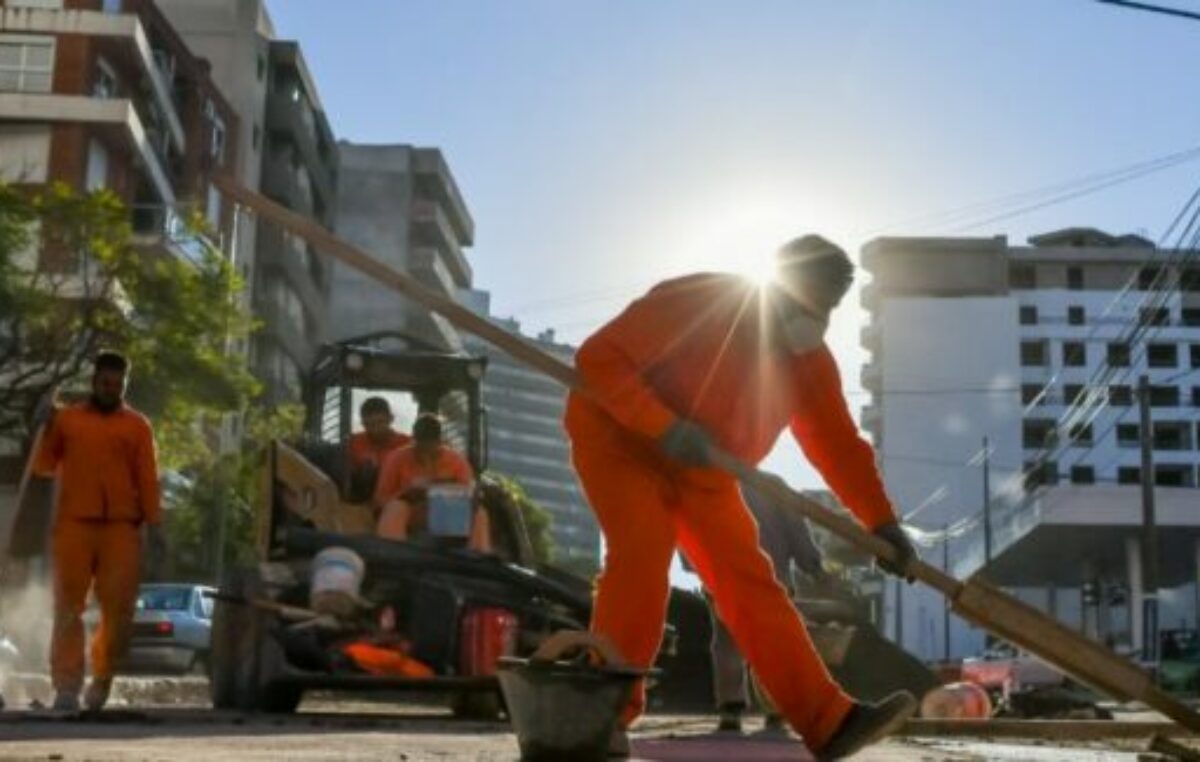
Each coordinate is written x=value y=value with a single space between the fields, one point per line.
x=1040 y=475
x=1074 y=354
x=216 y=126
x=1162 y=356
x=1037 y=433
x=1173 y=475
x=1075 y=278
x=1172 y=435
x=1022 y=276
x=1075 y=315
x=1129 y=475
x=106 y=80
x=1148 y=278
x=1164 y=396
x=1190 y=316
x=1073 y=394
x=1033 y=353
x=1028 y=315
x=1154 y=316
x=26 y=63
x=1120 y=395
x=112 y=6
x=1128 y=435
x=1083 y=475
x=1189 y=279
x=1031 y=393
x=1118 y=355
x=260 y=67
x=1196 y=396
x=1194 y=351
x=256 y=137
x=1081 y=434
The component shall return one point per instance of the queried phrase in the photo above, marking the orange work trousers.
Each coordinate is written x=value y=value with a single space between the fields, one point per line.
x=646 y=506
x=108 y=555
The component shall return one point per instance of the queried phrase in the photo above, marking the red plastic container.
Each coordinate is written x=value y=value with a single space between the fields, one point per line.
x=486 y=635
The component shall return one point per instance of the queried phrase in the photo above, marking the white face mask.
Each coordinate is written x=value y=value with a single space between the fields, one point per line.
x=803 y=332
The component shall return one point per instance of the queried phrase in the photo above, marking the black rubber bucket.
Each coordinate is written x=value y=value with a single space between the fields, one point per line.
x=564 y=710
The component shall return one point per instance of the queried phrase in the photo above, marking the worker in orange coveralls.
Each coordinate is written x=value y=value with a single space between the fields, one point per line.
x=407 y=475
x=367 y=449
x=715 y=361
x=102 y=453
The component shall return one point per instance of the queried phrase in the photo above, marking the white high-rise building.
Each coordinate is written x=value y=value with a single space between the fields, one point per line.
x=1039 y=349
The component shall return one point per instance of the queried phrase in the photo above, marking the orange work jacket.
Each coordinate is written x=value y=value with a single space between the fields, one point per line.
x=105 y=464
x=696 y=347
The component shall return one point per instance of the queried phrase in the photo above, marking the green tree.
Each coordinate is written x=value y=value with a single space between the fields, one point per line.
x=73 y=281
x=537 y=519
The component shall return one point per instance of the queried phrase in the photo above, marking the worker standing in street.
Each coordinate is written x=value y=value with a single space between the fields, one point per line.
x=102 y=453
x=714 y=361
x=786 y=539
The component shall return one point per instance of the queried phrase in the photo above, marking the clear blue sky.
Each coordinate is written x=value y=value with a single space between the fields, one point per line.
x=606 y=144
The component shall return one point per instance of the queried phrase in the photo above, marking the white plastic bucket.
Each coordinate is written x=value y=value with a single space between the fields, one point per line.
x=337 y=575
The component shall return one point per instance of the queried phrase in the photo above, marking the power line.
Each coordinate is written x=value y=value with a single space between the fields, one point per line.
x=1153 y=8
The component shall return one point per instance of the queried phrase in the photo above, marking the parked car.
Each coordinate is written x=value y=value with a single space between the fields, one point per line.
x=172 y=628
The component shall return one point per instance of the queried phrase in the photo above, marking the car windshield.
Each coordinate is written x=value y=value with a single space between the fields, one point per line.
x=163 y=599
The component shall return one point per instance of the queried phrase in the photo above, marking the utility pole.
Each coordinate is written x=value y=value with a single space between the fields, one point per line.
x=1149 y=528
x=946 y=601
x=987 y=504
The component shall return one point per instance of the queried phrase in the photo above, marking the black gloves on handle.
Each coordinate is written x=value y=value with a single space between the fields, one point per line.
x=893 y=534
x=688 y=443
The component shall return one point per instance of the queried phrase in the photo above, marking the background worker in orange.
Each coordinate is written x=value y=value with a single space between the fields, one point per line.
x=407 y=474
x=102 y=453
x=367 y=449
x=712 y=360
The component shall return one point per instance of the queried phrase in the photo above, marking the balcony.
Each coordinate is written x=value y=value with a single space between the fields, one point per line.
x=426 y=263
x=293 y=117
x=116 y=114
x=161 y=226
x=434 y=179
x=431 y=228
x=126 y=26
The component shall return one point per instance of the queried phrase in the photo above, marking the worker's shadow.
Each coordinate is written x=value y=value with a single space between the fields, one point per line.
x=121 y=724
x=719 y=747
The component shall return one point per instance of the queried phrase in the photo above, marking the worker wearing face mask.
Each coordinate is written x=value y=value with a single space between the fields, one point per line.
x=714 y=361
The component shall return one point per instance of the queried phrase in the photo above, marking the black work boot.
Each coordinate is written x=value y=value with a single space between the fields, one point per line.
x=730 y=717
x=867 y=723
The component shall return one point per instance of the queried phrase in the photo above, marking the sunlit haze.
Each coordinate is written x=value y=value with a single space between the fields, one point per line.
x=603 y=146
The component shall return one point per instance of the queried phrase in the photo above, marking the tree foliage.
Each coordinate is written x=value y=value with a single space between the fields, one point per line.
x=73 y=279
x=537 y=519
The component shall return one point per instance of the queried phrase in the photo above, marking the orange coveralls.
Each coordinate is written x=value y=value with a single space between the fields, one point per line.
x=694 y=347
x=364 y=452
x=402 y=471
x=107 y=487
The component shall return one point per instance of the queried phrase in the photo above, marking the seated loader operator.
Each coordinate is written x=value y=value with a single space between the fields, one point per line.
x=411 y=475
x=367 y=449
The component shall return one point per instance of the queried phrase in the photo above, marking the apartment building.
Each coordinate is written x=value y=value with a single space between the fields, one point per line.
x=402 y=204
x=1039 y=349
x=287 y=152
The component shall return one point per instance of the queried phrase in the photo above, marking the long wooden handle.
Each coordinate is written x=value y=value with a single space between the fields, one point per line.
x=535 y=357
x=360 y=260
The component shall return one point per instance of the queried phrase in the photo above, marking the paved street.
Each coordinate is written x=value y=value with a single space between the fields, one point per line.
x=372 y=732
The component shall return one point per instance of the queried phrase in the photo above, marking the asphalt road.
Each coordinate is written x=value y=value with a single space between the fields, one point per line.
x=354 y=731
